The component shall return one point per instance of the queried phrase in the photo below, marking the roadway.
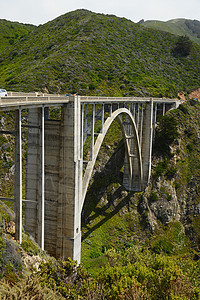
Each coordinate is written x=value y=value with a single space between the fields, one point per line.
x=15 y=100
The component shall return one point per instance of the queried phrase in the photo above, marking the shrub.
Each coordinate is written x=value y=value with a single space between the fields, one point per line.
x=29 y=246
x=184 y=109
x=65 y=277
x=153 y=196
x=166 y=133
x=160 y=168
x=183 y=46
x=163 y=246
x=190 y=147
x=170 y=172
x=28 y=288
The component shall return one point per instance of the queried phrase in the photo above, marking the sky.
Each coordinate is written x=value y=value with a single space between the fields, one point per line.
x=38 y=12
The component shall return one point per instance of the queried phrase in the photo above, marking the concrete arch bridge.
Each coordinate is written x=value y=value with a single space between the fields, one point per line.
x=56 y=185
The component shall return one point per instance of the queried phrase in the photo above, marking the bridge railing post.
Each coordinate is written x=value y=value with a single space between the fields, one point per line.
x=154 y=120
x=92 y=132
x=163 y=110
x=141 y=124
x=102 y=117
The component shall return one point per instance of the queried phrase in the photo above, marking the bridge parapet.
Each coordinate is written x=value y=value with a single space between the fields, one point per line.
x=12 y=103
x=33 y=94
x=92 y=99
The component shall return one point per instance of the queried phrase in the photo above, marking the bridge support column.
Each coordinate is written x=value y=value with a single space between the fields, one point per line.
x=70 y=183
x=33 y=207
x=146 y=145
x=18 y=176
x=132 y=174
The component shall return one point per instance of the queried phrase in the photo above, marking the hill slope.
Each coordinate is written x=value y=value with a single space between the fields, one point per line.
x=98 y=54
x=10 y=32
x=190 y=28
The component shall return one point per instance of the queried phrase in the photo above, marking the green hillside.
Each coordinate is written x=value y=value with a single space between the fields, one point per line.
x=190 y=28
x=10 y=32
x=88 y=53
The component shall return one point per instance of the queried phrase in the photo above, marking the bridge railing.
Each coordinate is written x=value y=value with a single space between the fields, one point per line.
x=111 y=99
x=91 y=99
x=33 y=94
x=14 y=101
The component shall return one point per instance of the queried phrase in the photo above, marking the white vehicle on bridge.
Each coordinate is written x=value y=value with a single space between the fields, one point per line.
x=3 y=93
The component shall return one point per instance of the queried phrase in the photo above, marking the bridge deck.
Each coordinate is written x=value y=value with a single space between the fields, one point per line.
x=12 y=103
x=26 y=100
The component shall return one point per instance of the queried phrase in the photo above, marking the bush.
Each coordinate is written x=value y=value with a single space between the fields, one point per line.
x=190 y=147
x=29 y=246
x=163 y=246
x=153 y=196
x=170 y=172
x=65 y=277
x=183 y=46
x=29 y=288
x=184 y=109
x=160 y=168
x=166 y=133
x=146 y=276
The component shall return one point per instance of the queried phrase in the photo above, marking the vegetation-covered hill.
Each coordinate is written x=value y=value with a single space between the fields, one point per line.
x=10 y=32
x=190 y=28
x=88 y=53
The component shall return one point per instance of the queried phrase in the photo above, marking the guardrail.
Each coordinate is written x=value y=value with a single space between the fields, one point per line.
x=15 y=101
x=33 y=94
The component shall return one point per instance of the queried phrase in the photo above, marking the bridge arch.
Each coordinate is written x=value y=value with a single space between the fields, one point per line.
x=55 y=153
x=118 y=115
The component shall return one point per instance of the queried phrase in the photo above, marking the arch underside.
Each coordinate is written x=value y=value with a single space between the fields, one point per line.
x=133 y=172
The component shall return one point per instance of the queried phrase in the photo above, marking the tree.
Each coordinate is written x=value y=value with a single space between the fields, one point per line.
x=166 y=133
x=183 y=46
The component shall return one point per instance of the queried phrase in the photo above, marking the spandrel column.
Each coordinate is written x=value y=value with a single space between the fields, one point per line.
x=18 y=176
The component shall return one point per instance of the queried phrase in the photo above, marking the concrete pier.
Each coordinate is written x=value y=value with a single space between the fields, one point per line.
x=63 y=183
